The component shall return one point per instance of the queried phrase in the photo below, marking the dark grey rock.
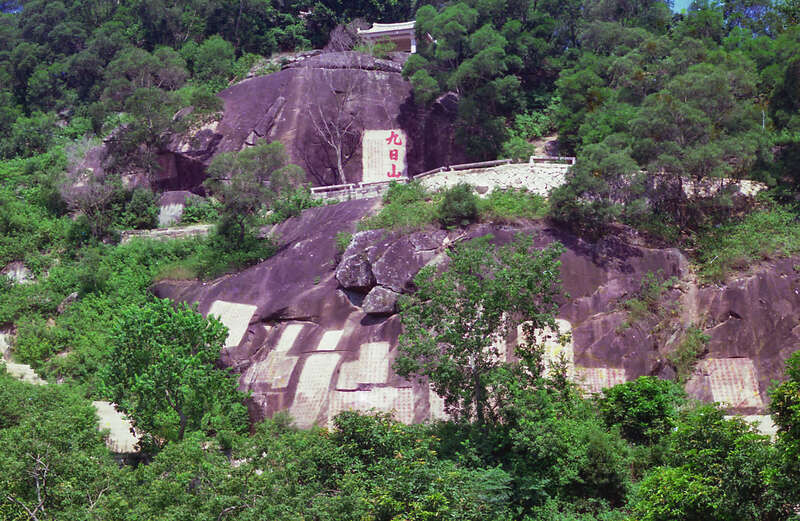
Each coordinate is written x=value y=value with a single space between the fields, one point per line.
x=380 y=301
x=355 y=273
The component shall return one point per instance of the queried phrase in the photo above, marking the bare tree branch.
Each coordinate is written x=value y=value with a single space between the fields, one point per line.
x=336 y=120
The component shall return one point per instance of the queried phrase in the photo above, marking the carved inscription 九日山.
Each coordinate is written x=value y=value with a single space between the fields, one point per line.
x=383 y=155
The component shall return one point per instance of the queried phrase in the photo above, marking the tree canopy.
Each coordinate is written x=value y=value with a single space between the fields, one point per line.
x=456 y=324
x=163 y=372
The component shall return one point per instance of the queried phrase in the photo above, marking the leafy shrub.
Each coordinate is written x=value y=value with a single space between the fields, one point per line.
x=205 y=101
x=243 y=65
x=400 y=193
x=676 y=493
x=380 y=50
x=506 y=205
x=218 y=257
x=291 y=202
x=459 y=206
x=215 y=256
x=531 y=125
x=200 y=210
x=214 y=62
x=735 y=246
x=646 y=301
x=343 y=240
x=685 y=356
x=644 y=409
x=406 y=207
x=137 y=210
x=518 y=149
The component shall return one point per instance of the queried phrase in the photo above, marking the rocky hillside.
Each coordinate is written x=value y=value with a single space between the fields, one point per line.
x=314 y=330
x=284 y=106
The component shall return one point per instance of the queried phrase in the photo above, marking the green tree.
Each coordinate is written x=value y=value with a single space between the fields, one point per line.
x=161 y=372
x=785 y=408
x=597 y=187
x=459 y=205
x=675 y=494
x=214 y=61
x=137 y=144
x=53 y=463
x=739 y=462
x=457 y=320
x=645 y=409
x=247 y=181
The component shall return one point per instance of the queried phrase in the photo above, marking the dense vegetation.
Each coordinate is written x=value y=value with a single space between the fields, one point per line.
x=663 y=111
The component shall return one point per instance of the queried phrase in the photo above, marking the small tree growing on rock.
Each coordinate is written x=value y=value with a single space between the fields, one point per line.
x=248 y=180
x=88 y=192
x=336 y=120
x=457 y=320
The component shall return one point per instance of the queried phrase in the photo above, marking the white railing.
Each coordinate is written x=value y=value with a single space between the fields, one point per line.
x=553 y=159
x=333 y=191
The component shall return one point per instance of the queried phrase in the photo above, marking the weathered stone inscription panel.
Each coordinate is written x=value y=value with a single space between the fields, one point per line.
x=383 y=154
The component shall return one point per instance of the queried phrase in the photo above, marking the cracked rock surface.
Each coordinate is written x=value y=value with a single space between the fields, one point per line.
x=316 y=345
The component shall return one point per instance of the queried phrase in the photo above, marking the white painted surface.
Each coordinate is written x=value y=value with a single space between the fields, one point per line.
x=436 y=406
x=18 y=273
x=170 y=214
x=372 y=367
x=763 y=423
x=313 y=388
x=539 y=178
x=120 y=438
x=383 y=155
x=288 y=337
x=330 y=340
x=236 y=318
x=398 y=401
x=595 y=379
x=733 y=382
x=557 y=344
x=25 y=373
x=276 y=370
x=5 y=344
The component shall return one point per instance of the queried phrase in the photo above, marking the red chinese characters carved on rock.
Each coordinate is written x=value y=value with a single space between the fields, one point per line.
x=394 y=139
x=394 y=154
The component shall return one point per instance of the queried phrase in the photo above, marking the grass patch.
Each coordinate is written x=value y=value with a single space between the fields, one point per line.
x=200 y=210
x=343 y=240
x=406 y=207
x=511 y=204
x=214 y=257
x=645 y=302
x=758 y=236
x=410 y=207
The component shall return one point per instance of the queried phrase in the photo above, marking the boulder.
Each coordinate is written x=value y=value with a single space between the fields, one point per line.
x=355 y=273
x=399 y=263
x=306 y=346
x=171 y=205
x=380 y=301
x=279 y=107
x=18 y=273
x=67 y=302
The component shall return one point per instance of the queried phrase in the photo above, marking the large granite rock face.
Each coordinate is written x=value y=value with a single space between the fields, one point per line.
x=282 y=106
x=303 y=342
